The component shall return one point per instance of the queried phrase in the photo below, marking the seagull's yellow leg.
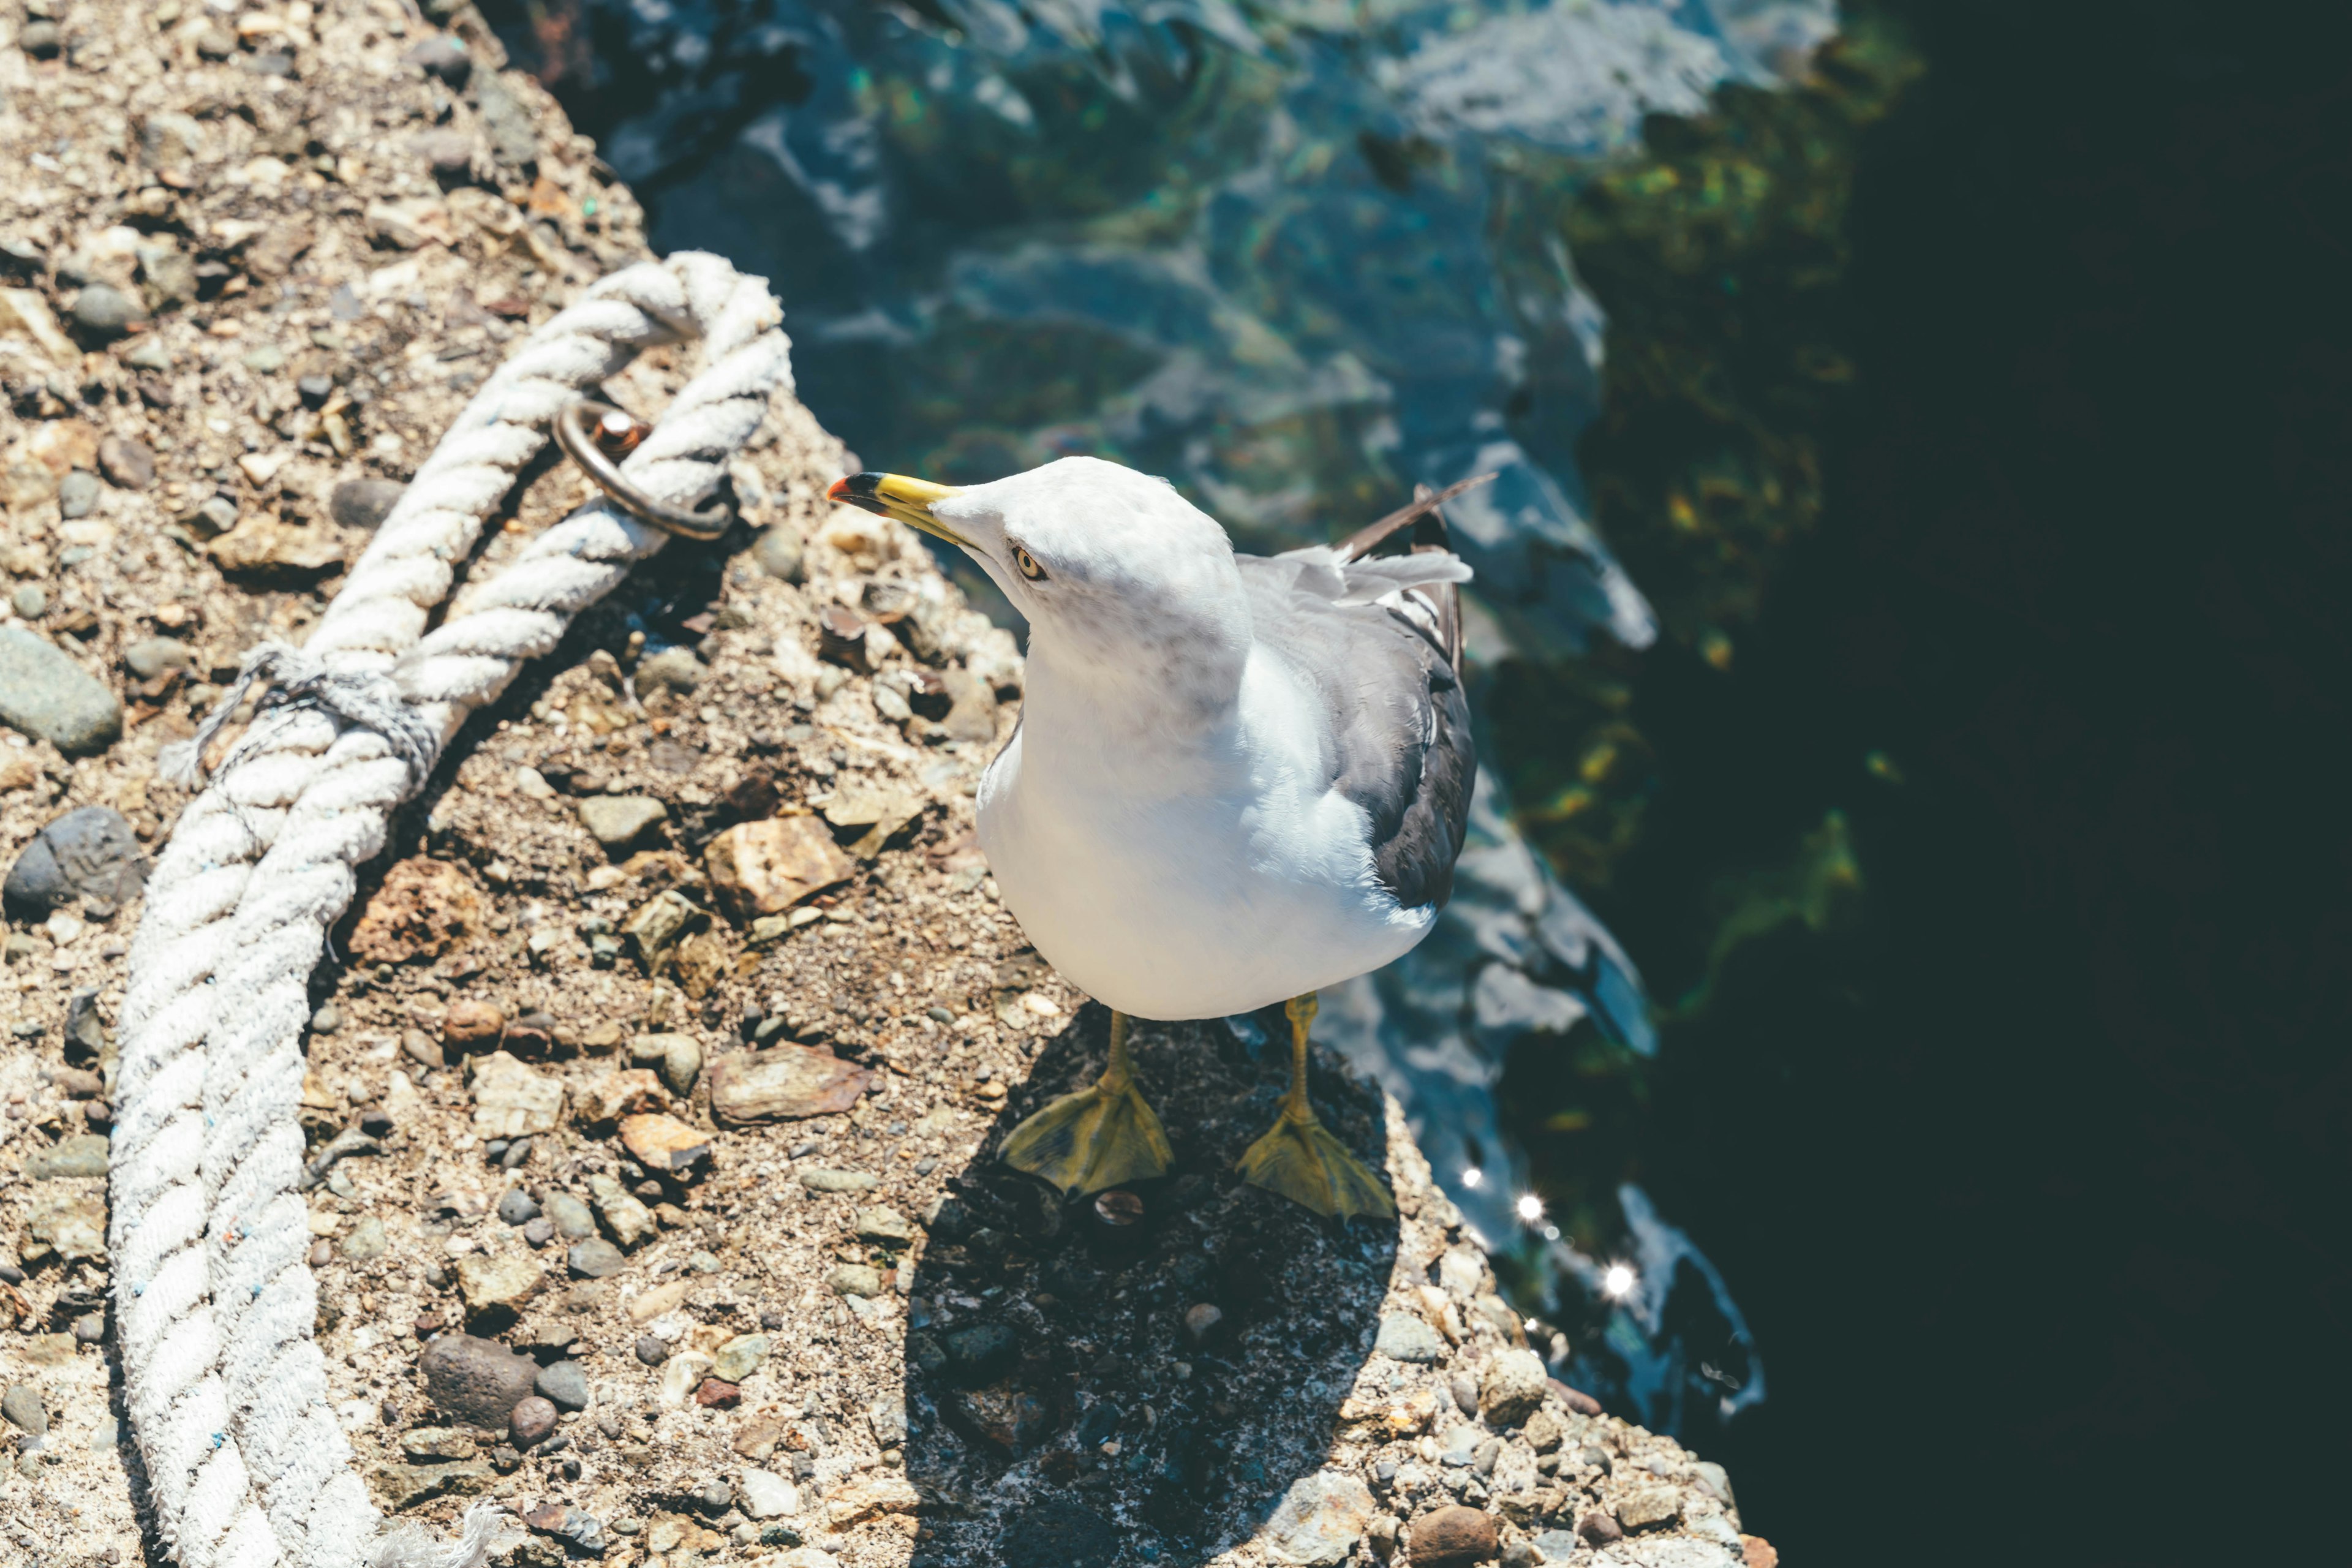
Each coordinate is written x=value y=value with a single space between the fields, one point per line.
x=1097 y=1138
x=1301 y=1161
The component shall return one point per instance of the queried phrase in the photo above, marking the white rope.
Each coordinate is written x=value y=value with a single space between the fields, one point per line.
x=226 y=1390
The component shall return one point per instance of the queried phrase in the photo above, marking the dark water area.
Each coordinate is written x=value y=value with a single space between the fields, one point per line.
x=2030 y=1170
x=1970 y=418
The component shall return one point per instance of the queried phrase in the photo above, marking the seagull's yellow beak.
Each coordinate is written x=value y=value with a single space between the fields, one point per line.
x=896 y=495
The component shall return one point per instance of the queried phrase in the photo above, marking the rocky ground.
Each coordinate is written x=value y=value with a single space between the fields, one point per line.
x=654 y=1096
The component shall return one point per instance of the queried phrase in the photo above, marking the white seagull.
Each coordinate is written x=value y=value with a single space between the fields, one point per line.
x=1236 y=779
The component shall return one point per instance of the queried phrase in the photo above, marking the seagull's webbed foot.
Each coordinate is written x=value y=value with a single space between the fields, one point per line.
x=1300 y=1159
x=1099 y=1137
x=1304 y=1162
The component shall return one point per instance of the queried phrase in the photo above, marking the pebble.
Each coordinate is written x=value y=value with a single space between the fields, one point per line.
x=678 y=1058
x=779 y=553
x=444 y=56
x=1453 y=1538
x=151 y=656
x=49 y=696
x=30 y=601
x=651 y=1350
x=1599 y=1529
x=472 y=1024
x=364 y=503
x=89 y=1328
x=595 y=1259
x=1320 y=1520
x=786 y=1083
x=476 y=1380
x=886 y=1225
x=22 y=1406
x=538 y=1231
x=104 y=312
x=855 y=1279
x=511 y=1101
x=1408 y=1339
x=1512 y=1388
x=739 y=1357
x=767 y=1495
x=516 y=1207
x=84 y=1154
x=43 y=40
x=500 y=1283
x=564 y=1384
x=76 y=495
x=1641 y=1507
x=571 y=1216
x=532 y=1422
x=1463 y=1389
x=364 y=1241
x=619 y=821
x=88 y=854
x=127 y=463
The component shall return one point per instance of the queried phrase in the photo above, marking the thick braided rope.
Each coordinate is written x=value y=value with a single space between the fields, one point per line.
x=245 y=1462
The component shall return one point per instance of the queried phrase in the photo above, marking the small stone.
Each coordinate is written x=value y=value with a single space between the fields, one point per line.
x=595 y=1259
x=1755 y=1551
x=619 y=821
x=563 y=1384
x=538 y=1232
x=1644 y=1508
x=1463 y=1389
x=151 y=656
x=71 y=1225
x=1600 y=1528
x=449 y=154
x=364 y=1241
x=1201 y=1320
x=1512 y=1388
x=424 y=908
x=49 y=696
x=672 y=670
x=1453 y=1538
x=571 y=1216
x=532 y=1422
x=651 y=1350
x=661 y=1143
x=739 y=1357
x=426 y=1444
x=364 y=503
x=767 y=867
x=497 y=1287
x=89 y=1328
x=617 y=1094
x=630 y=1221
x=76 y=495
x=511 y=1101
x=516 y=1207
x=101 y=310
x=271 y=551
x=779 y=553
x=472 y=1024
x=127 y=463
x=783 y=1083
x=716 y=1394
x=1554 y=1546
x=1408 y=1339
x=30 y=600
x=84 y=1155
x=855 y=1279
x=1319 y=1520
x=1059 y=1532
x=583 y=1529
x=677 y=1057
x=43 y=40
x=514 y=136
x=22 y=1406
x=444 y=56
x=477 y=1381
x=823 y=1181
x=682 y=1376
x=766 y=1495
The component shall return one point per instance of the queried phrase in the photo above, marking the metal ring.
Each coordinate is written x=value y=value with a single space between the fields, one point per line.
x=579 y=443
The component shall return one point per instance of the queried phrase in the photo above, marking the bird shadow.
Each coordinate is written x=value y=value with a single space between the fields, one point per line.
x=1136 y=1377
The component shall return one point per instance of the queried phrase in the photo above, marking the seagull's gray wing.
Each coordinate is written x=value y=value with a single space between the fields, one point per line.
x=1379 y=640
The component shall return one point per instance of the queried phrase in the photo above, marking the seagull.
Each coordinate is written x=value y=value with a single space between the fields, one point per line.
x=1235 y=780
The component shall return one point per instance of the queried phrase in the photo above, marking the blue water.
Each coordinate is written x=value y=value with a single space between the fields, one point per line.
x=1296 y=257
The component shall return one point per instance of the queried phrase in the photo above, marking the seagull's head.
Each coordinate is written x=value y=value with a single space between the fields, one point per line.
x=1111 y=561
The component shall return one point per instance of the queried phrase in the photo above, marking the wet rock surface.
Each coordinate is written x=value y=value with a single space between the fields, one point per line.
x=804 y=1300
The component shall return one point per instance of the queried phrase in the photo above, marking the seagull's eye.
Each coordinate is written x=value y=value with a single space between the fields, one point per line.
x=1028 y=565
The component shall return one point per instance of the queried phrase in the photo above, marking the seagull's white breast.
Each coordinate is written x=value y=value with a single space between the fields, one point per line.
x=1187 y=877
